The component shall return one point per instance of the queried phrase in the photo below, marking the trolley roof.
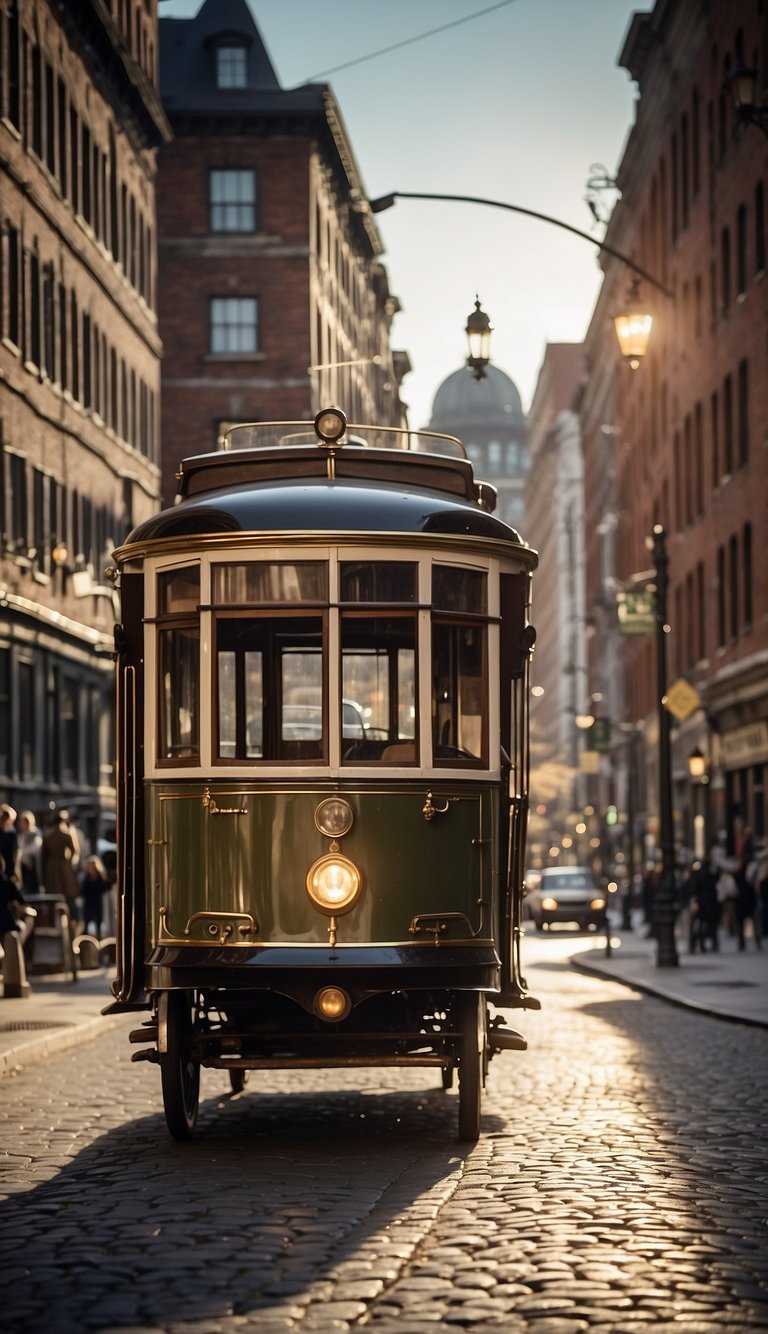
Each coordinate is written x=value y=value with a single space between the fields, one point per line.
x=280 y=477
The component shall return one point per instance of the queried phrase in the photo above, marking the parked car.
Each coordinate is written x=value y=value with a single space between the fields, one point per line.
x=530 y=883
x=567 y=894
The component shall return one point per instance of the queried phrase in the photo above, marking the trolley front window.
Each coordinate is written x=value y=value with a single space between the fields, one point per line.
x=459 y=677
x=178 y=599
x=378 y=660
x=270 y=688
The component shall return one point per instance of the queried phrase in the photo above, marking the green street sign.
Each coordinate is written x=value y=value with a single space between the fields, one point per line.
x=600 y=736
x=636 y=611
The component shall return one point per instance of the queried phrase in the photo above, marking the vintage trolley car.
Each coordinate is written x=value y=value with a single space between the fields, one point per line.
x=322 y=671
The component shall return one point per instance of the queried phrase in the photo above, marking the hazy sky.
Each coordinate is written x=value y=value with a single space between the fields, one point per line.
x=515 y=105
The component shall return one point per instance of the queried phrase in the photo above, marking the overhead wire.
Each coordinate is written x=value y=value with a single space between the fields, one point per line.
x=408 y=41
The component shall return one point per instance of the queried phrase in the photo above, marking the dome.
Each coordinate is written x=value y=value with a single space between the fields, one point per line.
x=462 y=398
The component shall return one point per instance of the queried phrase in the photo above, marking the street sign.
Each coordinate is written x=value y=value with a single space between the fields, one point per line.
x=636 y=611
x=682 y=699
x=589 y=762
x=599 y=736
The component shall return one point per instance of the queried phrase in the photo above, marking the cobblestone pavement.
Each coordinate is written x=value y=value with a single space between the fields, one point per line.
x=619 y=1185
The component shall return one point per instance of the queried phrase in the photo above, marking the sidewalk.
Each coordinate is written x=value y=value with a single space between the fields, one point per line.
x=730 y=984
x=58 y=1013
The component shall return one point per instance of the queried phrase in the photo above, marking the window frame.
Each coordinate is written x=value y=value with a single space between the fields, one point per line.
x=236 y=203
x=232 y=353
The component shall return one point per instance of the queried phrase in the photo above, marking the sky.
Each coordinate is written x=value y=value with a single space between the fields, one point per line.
x=516 y=105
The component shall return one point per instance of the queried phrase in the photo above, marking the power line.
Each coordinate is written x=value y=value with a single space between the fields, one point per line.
x=397 y=46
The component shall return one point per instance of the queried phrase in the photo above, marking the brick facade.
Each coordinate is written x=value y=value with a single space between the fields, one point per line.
x=79 y=378
x=689 y=428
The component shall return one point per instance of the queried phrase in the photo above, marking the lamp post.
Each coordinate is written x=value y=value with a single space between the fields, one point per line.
x=664 y=904
x=697 y=770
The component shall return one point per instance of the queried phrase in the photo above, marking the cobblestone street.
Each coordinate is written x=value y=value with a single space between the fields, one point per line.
x=619 y=1184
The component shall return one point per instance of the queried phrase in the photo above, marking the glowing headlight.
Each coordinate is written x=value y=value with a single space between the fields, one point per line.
x=330 y=425
x=597 y=904
x=333 y=884
x=549 y=904
x=334 y=817
x=333 y=1004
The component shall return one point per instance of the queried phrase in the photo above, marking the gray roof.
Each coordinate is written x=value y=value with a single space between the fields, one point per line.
x=461 y=398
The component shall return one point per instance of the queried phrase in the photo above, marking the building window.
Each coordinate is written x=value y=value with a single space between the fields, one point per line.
x=728 y=425
x=748 y=575
x=743 y=409
x=725 y=270
x=231 y=67
x=759 y=228
x=715 y=423
x=17 y=503
x=733 y=562
x=233 y=201
x=234 y=325
x=701 y=617
x=721 y=597
x=741 y=250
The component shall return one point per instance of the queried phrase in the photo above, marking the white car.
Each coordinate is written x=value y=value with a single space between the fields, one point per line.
x=567 y=894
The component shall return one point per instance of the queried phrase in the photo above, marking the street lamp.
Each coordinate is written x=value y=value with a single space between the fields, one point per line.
x=742 y=84
x=633 y=327
x=664 y=905
x=478 y=330
x=697 y=770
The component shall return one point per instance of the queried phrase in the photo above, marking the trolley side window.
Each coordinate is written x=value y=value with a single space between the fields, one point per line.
x=270 y=687
x=178 y=599
x=378 y=662
x=459 y=671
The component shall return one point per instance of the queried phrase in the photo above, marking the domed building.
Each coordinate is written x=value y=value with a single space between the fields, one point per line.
x=488 y=417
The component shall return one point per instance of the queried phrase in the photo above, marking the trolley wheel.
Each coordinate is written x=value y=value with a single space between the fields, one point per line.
x=238 y=1080
x=179 y=1071
x=471 y=1054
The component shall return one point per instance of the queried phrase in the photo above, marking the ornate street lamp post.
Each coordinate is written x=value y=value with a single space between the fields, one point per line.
x=478 y=331
x=664 y=902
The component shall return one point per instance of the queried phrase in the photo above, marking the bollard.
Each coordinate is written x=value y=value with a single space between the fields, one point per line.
x=15 y=984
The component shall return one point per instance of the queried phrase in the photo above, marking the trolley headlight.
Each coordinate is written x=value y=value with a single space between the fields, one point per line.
x=334 y=817
x=334 y=883
x=333 y=1004
x=549 y=905
x=330 y=425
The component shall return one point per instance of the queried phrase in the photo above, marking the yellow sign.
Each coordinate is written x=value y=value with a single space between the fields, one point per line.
x=682 y=700
x=589 y=762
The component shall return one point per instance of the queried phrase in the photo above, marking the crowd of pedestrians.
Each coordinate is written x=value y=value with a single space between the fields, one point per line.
x=57 y=860
x=724 y=892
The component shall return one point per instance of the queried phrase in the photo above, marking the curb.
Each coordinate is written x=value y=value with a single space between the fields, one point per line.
x=699 y=1007
x=35 y=1050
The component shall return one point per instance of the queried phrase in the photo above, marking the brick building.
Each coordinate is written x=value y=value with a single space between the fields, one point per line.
x=80 y=120
x=683 y=440
x=273 y=299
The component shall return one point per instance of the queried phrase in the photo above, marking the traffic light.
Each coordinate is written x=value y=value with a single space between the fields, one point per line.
x=611 y=816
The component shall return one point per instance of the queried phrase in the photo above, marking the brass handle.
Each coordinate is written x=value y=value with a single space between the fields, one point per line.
x=429 y=810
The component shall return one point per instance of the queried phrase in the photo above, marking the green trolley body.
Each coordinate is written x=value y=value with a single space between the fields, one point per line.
x=322 y=672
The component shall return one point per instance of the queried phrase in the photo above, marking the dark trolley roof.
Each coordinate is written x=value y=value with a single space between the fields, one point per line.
x=279 y=477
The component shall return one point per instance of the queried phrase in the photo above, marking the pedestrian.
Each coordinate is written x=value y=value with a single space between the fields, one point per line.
x=93 y=886
x=9 y=840
x=30 y=843
x=651 y=885
x=705 y=907
x=59 y=859
x=747 y=908
x=12 y=903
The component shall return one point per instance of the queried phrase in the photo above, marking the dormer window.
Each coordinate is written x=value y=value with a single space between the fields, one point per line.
x=231 y=66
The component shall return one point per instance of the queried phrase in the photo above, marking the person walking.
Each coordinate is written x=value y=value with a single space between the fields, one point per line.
x=705 y=908
x=9 y=840
x=30 y=843
x=93 y=885
x=59 y=859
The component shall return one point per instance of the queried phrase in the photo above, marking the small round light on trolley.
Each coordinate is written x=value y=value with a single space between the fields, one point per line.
x=333 y=1004
x=330 y=425
x=334 y=817
x=334 y=883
